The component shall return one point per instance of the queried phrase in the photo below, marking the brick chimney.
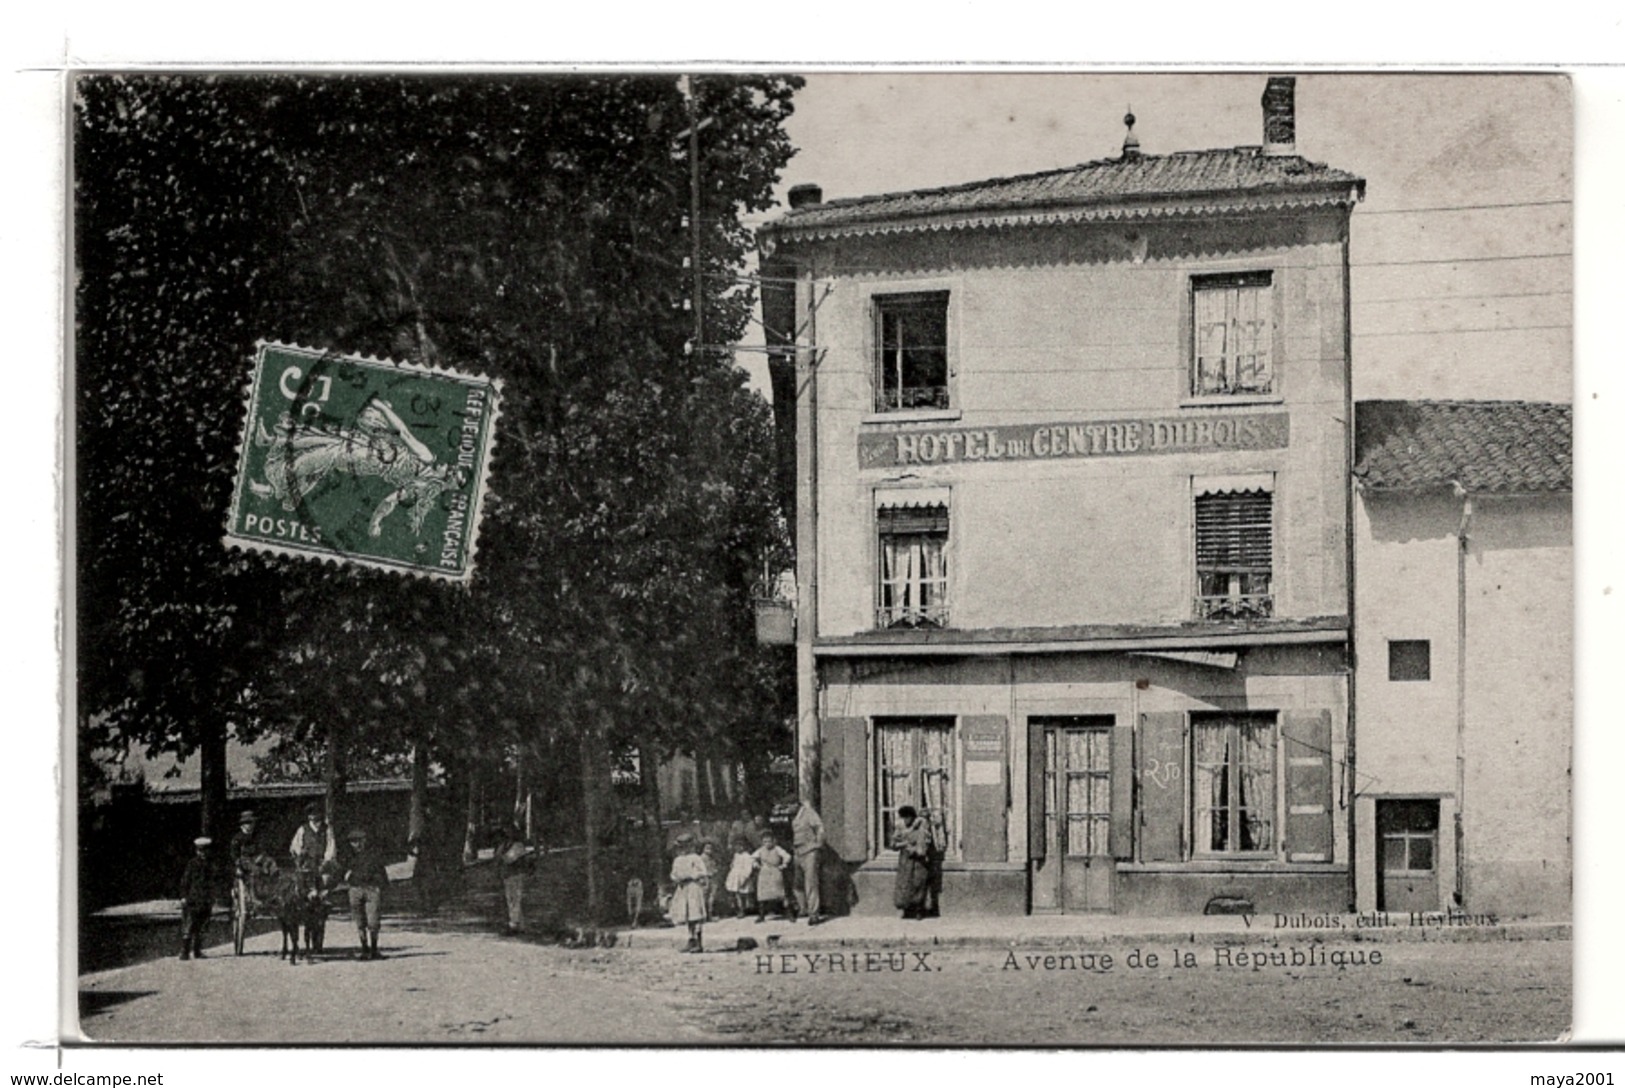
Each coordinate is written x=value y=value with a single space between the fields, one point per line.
x=1280 y=116
x=805 y=196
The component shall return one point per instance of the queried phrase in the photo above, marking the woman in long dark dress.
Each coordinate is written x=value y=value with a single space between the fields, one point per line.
x=913 y=843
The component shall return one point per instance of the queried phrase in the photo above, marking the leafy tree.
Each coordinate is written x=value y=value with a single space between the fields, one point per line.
x=531 y=228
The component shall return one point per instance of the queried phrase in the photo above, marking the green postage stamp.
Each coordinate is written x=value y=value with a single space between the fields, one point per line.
x=363 y=460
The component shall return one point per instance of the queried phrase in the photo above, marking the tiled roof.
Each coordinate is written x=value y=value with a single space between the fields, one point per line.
x=1486 y=446
x=1129 y=187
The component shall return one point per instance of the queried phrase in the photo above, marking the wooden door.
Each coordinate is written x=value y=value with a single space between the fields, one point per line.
x=1076 y=870
x=1408 y=866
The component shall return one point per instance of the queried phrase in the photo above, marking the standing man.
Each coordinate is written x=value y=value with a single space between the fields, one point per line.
x=197 y=899
x=312 y=844
x=245 y=845
x=808 y=834
x=515 y=858
x=364 y=872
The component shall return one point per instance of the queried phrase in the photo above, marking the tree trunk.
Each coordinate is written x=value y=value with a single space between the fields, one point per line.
x=592 y=818
x=653 y=834
x=333 y=775
x=471 y=815
x=212 y=770
x=417 y=819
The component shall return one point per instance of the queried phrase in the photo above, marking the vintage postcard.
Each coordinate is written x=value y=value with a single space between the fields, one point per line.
x=970 y=559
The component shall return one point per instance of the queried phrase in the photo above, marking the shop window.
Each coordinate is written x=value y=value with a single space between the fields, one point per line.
x=913 y=576
x=1410 y=659
x=1233 y=783
x=911 y=351
x=1231 y=335
x=1235 y=555
x=915 y=766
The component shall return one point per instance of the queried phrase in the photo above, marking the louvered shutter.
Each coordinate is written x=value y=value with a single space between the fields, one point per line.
x=843 y=760
x=1308 y=740
x=1122 y=764
x=896 y=520
x=1234 y=531
x=1037 y=841
x=1162 y=786
x=985 y=835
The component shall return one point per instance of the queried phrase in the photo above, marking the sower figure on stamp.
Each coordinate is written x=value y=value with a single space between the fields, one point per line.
x=197 y=899
x=807 y=830
x=365 y=874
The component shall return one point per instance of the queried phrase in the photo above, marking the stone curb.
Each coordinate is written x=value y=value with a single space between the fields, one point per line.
x=802 y=939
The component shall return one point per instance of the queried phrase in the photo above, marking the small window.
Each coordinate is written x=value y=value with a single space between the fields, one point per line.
x=1410 y=659
x=911 y=356
x=916 y=764
x=1410 y=836
x=913 y=566
x=1231 y=335
x=1234 y=555
x=1233 y=783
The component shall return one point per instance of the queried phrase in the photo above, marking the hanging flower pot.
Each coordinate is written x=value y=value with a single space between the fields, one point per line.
x=775 y=622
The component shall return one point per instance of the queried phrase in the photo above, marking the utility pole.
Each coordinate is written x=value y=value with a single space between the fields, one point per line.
x=694 y=208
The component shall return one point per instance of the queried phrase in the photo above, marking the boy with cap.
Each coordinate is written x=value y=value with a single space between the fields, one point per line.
x=364 y=872
x=197 y=899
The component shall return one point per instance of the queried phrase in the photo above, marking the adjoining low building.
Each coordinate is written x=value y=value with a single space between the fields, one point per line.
x=1464 y=644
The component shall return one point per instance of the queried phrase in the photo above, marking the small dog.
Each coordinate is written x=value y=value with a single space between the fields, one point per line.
x=634 y=902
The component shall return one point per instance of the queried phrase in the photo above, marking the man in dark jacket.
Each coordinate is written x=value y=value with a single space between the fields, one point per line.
x=365 y=874
x=197 y=899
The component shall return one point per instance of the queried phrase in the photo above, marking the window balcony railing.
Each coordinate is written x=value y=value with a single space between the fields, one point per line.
x=912 y=397
x=1241 y=606
x=934 y=615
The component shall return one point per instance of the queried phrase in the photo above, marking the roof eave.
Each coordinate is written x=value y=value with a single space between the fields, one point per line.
x=1212 y=202
x=1434 y=487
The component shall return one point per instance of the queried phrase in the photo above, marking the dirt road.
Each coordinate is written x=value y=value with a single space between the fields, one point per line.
x=463 y=986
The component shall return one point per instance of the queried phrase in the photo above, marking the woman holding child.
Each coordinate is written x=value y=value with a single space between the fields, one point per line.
x=913 y=844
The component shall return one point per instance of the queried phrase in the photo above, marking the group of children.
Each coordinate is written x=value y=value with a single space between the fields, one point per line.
x=758 y=879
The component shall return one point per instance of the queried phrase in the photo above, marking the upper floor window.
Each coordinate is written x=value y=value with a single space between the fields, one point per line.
x=1231 y=341
x=913 y=566
x=1235 y=550
x=911 y=357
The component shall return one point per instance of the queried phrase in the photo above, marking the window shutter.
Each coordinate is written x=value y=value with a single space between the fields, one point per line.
x=1162 y=786
x=843 y=750
x=1122 y=764
x=1308 y=742
x=1036 y=841
x=912 y=519
x=984 y=823
x=1234 y=531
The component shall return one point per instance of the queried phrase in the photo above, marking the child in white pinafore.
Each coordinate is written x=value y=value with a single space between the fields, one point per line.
x=771 y=863
x=691 y=880
x=741 y=880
